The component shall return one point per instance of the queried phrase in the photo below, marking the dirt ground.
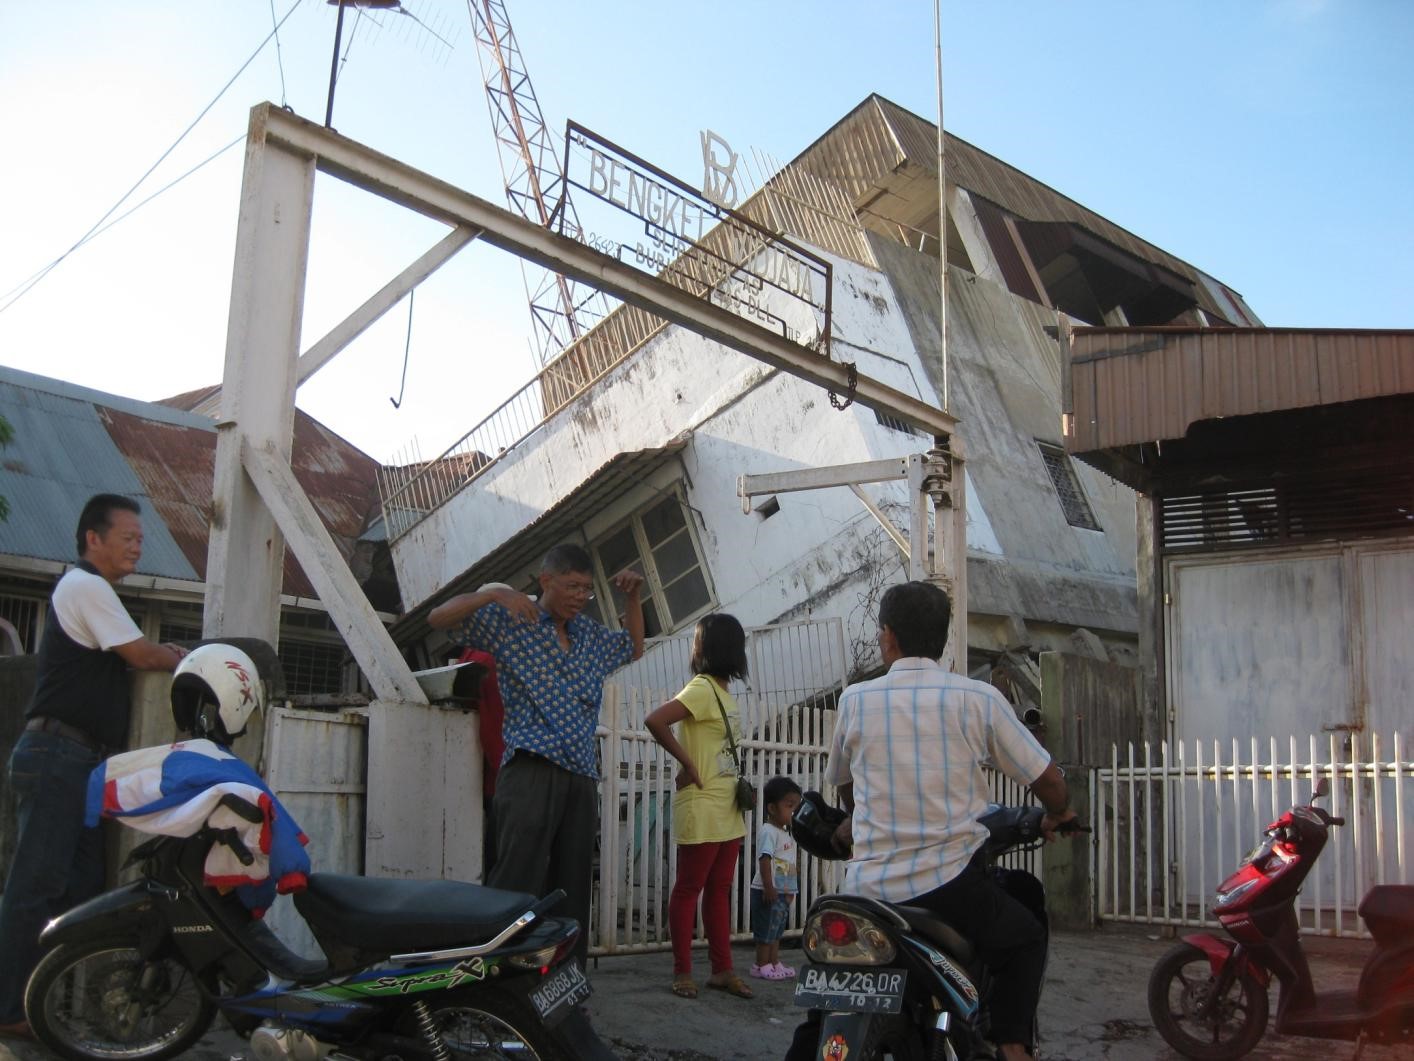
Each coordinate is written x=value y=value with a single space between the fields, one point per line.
x=1093 y=1007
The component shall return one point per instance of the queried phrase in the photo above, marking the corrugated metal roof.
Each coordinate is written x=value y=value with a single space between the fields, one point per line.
x=61 y=456
x=72 y=442
x=887 y=160
x=1135 y=385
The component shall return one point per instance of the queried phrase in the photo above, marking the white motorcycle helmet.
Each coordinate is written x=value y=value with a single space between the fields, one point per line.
x=215 y=690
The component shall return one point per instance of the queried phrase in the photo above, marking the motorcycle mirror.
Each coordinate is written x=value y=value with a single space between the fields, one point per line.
x=1323 y=789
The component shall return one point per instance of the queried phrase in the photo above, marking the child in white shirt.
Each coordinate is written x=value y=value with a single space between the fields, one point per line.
x=776 y=881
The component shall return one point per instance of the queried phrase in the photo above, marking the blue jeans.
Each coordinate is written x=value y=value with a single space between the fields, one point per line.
x=58 y=863
x=768 y=920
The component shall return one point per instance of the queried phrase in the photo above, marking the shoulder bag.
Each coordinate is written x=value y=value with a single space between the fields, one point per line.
x=745 y=790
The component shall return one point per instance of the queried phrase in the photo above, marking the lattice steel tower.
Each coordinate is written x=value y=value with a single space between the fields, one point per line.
x=560 y=308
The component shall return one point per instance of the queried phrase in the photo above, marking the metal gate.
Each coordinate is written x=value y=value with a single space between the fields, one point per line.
x=1172 y=822
x=317 y=767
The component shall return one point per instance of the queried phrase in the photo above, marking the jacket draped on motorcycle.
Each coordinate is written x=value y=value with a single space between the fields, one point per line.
x=177 y=789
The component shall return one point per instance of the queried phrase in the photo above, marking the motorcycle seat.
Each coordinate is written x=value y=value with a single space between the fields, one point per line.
x=932 y=927
x=401 y=916
x=1388 y=910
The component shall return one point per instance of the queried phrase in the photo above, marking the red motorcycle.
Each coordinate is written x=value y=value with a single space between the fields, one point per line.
x=1208 y=996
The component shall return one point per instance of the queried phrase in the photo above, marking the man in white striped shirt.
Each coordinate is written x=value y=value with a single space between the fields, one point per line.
x=907 y=757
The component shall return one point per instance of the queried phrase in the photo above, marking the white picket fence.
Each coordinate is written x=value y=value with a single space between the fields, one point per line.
x=1173 y=821
x=797 y=671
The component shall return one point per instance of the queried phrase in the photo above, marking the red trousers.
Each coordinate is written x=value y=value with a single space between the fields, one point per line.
x=706 y=870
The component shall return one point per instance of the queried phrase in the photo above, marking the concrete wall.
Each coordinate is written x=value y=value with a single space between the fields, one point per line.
x=1005 y=387
x=1033 y=578
x=1087 y=706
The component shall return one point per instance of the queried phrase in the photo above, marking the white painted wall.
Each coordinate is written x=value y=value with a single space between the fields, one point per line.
x=813 y=557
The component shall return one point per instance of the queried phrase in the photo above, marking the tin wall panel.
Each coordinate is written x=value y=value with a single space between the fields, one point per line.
x=1135 y=385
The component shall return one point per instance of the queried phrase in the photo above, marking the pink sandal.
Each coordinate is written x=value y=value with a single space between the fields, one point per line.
x=772 y=971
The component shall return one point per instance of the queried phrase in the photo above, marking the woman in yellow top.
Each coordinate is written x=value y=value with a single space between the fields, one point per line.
x=707 y=825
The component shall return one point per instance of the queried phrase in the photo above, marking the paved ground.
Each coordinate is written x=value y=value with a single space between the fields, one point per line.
x=1093 y=1008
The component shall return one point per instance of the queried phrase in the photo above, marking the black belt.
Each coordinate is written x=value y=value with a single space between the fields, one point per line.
x=44 y=724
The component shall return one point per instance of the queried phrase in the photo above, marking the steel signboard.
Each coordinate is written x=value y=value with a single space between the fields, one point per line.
x=648 y=219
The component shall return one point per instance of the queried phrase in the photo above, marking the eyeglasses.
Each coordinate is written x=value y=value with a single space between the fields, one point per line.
x=581 y=590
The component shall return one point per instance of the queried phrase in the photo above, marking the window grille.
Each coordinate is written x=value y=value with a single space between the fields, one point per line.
x=893 y=423
x=23 y=613
x=1067 y=485
x=181 y=621
x=312 y=666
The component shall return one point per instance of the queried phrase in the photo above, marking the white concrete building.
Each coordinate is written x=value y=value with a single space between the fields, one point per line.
x=642 y=464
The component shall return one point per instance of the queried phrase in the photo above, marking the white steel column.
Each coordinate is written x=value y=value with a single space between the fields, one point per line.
x=246 y=553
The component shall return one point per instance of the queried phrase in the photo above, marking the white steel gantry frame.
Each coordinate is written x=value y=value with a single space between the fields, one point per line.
x=937 y=482
x=258 y=505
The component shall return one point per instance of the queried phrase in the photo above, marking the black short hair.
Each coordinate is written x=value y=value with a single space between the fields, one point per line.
x=566 y=559
x=777 y=789
x=719 y=647
x=918 y=613
x=97 y=515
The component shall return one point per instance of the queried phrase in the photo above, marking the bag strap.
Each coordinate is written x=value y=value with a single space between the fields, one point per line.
x=726 y=724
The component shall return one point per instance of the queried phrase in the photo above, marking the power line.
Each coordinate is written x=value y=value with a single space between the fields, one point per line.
x=28 y=285
x=279 y=55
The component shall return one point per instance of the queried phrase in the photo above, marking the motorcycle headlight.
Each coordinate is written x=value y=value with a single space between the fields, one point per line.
x=834 y=937
x=1223 y=898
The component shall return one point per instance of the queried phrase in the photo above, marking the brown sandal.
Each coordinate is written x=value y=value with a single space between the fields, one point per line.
x=729 y=982
x=684 y=987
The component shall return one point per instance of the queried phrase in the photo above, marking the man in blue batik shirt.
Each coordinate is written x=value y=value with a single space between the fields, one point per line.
x=551 y=662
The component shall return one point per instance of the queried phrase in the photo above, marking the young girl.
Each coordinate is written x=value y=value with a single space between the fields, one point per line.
x=707 y=825
x=776 y=882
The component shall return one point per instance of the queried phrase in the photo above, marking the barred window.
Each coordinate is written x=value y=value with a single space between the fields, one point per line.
x=23 y=614
x=181 y=621
x=1067 y=485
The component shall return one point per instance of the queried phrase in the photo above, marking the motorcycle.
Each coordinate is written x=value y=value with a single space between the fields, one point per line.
x=898 y=981
x=432 y=969
x=427 y=969
x=1208 y=995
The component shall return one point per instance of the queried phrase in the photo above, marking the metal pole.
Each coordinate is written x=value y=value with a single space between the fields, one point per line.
x=942 y=209
x=334 y=68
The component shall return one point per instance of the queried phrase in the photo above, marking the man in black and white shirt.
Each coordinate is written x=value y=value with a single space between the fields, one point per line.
x=79 y=714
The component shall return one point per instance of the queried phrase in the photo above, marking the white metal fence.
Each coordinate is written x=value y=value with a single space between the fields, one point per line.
x=797 y=672
x=1172 y=821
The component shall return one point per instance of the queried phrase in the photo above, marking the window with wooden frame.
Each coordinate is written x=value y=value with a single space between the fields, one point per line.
x=660 y=543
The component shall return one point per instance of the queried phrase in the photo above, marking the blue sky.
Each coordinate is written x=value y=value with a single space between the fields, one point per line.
x=1267 y=142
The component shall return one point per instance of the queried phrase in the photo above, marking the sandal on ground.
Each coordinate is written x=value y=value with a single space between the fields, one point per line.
x=731 y=983
x=769 y=971
x=684 y=987
x=785 y=971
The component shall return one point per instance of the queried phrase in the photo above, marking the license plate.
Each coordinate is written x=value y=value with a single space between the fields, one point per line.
x=839 y=987
x=564 y=989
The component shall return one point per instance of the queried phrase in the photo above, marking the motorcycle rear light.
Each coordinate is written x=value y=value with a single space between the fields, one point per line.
x=839 y=929
x=540 y=959
x=546 y=957
x=837 y=938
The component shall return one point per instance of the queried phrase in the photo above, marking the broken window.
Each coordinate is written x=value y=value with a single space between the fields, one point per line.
x=659 y=543
x=1067 y=484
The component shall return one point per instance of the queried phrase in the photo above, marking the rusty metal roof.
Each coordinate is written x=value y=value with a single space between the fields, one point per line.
x=1129 y=386
x=72 y=442
x=886 y=158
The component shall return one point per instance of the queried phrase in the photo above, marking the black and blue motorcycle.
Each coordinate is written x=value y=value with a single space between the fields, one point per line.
x=886 y=980
x=414 y=969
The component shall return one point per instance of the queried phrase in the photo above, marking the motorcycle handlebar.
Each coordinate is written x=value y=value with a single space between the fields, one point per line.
x=1331 y=820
